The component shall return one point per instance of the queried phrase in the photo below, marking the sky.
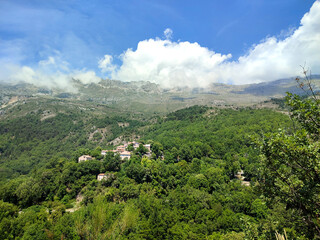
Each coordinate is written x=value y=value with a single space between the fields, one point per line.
x=172 y=43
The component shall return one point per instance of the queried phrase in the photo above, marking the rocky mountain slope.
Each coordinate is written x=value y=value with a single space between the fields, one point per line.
x=146 y=97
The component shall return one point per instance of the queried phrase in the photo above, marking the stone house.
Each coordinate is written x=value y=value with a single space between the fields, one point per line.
x=84 y=158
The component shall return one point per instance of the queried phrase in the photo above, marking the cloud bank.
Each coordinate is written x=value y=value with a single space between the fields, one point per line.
x=173 y=64
x=52 y=72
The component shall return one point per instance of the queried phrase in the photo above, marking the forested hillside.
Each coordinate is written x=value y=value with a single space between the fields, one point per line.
x=186 y=190
x=214 y=173
x=41 y=129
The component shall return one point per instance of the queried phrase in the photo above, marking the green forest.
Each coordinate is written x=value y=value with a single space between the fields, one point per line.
x=187 y=189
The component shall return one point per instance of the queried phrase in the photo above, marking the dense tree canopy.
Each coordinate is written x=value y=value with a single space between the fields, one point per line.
x=187 y=189
x=291 y=163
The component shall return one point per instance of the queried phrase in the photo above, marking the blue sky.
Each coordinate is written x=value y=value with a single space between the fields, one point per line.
x=71 y=37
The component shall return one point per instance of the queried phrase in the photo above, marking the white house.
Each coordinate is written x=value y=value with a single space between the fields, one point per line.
x=84 y=158
x=124 y=155
x=102 y=176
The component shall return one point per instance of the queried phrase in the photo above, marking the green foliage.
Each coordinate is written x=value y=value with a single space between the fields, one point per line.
x=190 y=194
x=112 y=162
x=188 y=113
x=157 y=149
x=141 y=150
x=306 y=111
x=130 y=147
x=30 y=141
x=7 y=210
x=291 y=164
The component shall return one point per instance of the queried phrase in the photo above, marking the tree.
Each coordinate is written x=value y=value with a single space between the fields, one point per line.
x=7 y=210
x=130 y=147
x=112 y=161
x=96 y=153
x=136 y=171
x=291 y=162
x=157 y=149
x=29 y=192
x=141 y=150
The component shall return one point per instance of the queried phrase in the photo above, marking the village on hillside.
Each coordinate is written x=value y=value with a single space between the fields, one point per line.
x=127 y=148
x=124 y=152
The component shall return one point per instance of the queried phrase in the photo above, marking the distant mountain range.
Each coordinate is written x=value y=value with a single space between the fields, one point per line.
x=277 y=87
x=150 y=97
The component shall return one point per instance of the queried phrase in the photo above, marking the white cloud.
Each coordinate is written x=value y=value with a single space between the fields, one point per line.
x=48 y=61
x=273 y=58
x=86 y=77
x=188 y=64
x=169 y=63
x=52 y=72
x=168 y=33
x=105 y=64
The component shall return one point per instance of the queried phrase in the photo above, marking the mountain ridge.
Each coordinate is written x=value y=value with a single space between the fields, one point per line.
x=148 y=97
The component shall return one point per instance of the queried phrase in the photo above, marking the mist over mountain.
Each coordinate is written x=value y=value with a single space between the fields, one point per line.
x=150 y=97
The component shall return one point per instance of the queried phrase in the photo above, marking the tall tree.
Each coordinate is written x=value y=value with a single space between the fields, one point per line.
x=291 y=162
